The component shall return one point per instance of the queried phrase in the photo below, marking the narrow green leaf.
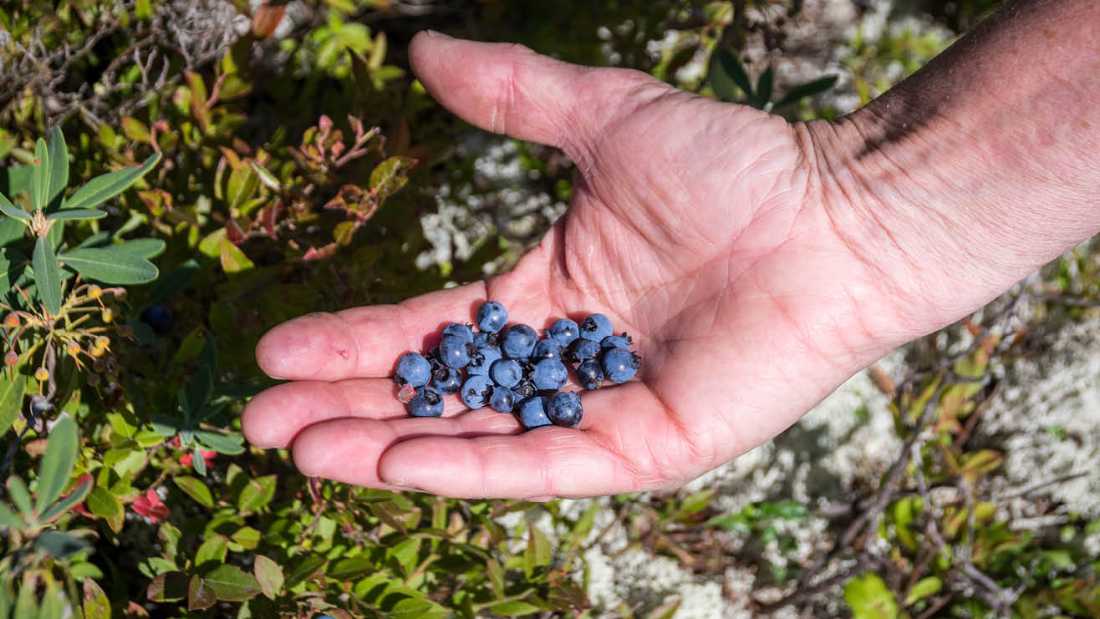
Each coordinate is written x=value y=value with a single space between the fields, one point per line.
x=231 y=584
x=11 y=399
x=925 y=587
x=111 y=265
x=764 y=86
x=270 y=576
x=54 y=604
x=78 y=213
x=60 y=544
x=243 y=183
x=57 y=464
x=726 y=74
x=232 y=258
x=9 y=519
x=266 y=177
x=809 y=89
x=196 y=489
x=40 y=183
x=47 y=275
x=103 y=188
x=228 y=444
x=77 y=495
x=59 y=164
x=21 y=497
x=144 y=248
x=11 y=210
x=26 y=604
x=514 y=608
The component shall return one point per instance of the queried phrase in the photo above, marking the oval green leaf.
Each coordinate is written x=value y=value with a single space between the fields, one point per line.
x=103 y=188
x=110 y=265
x=47 y=275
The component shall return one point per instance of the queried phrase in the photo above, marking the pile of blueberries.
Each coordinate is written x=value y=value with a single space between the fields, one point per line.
x=512 y=370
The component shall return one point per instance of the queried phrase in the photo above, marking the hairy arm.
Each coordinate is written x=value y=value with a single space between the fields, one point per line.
x=977 y=169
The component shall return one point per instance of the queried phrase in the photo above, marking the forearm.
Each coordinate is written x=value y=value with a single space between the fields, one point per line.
x=980 y=167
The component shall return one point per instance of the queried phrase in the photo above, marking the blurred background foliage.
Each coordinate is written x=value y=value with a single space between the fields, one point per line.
x=300 y=167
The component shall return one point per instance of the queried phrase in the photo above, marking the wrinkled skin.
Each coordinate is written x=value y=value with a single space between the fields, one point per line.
x=703 y=229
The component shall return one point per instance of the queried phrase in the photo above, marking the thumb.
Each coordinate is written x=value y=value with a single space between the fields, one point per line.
x=507 y=88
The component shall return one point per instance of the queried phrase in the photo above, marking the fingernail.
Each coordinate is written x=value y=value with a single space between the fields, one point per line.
x=434 y=34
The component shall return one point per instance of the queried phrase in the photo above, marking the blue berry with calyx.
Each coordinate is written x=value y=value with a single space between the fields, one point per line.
x=482 y=360
x=460 y=330
x=532 y=413
x=549 y=375
x=446 y=380
x=596 y=327
x=590 y=374
x=518 y=342
x=454 y=351
x=547 y=348
x=506 y=373
x=426 y=403
x=159 y=317
x=619 y=365
x=503 y=399
x=491 y=317
x=476 y=391
x=524 y=389
x=564 y=409
x=484 y=338
x=413 y=369
x=616 y=341
x=564 y=331
x=582 y=350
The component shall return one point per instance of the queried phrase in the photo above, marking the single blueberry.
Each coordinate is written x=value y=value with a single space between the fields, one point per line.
x=549 y=375
x=616 y=341
x=547 y=348
x=620 y=365
x=158 y=317
x=482 y=360
x=484 y=338
x=413 y=369
x=532 y=413
x=595 y=327
x=426 y=403
x=506 y=373
x=462 y=331
x=491 y=317
x=476 y=391
x=583 y=350
x=454 y=351
x=565 y=409
x=446 y=380
x=590 y=374
x=564 y=331
x=519 y=341
x=503 y=400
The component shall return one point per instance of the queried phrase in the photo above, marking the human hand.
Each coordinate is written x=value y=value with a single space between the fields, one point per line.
x=706 y=230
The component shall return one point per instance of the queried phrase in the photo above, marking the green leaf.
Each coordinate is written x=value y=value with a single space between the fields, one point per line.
x=196 y=489
x=213 y=549
x=925 y=587
x=40 y=183
x=96 y=604
x=247 y=538
x=103 y=188
x=47 y=275
x=764 y=87
x=21 y=497
x=257 y=493
x=9 y=519
x=199 y=595
x=351 y=568
x=809 y=89
x=232 y=258
x=57 y=464
x=110 y=265
x=60 y=544
x=270 y=576
x=144 y=248
x=390 y=176
x=106 y=505
x=304 y=568
x=59 y=164
x=10 y=230
x=726 y=74
x=77 y=495
x=243 y=183
x=266 y=177
x=76 y=214
x=869 y=598
x=16 y=180
x=231 y=584
x=514 y=608
x=11 y=399
x=228 y=444
x=26 y=605
x=11 y=210
x=538 y=551
x=420 y=608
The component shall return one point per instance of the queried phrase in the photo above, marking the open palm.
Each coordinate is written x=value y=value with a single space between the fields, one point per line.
x=698 y=227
